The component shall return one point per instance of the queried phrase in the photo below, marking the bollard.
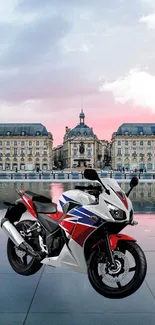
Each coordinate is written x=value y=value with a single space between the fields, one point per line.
x=11 y=176
x=68 y=176
x=139 y=175
x=125 y=176
x=39 y=176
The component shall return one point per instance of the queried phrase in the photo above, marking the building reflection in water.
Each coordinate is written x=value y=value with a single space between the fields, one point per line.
x=143 y=196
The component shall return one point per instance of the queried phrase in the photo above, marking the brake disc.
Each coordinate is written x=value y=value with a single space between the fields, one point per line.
x=115 y=275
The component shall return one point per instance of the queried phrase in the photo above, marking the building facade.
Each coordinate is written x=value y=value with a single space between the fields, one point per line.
x=81 y=147
x=58 y=157
x=104 y=155
x=25 y=147
x=133 y=147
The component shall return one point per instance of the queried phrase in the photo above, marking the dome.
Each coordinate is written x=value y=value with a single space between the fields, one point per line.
x=81 y=129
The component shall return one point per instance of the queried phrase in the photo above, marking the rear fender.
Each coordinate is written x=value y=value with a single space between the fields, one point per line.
x=14 y=212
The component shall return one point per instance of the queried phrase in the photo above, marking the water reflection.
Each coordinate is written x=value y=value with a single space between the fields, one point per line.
x=143 y=196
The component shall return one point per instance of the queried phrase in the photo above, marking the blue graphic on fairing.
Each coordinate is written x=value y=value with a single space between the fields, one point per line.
x=83 y=215
x=68 y=199
x=61 y=203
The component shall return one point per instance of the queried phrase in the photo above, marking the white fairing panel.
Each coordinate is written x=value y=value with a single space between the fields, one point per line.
x=74 y=261
x=77 y=196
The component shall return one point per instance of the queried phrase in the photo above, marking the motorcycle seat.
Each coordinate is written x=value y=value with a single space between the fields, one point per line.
x=42 y=203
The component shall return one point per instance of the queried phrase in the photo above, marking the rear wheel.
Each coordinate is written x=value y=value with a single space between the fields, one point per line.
x=126 y=278
x=21 y=262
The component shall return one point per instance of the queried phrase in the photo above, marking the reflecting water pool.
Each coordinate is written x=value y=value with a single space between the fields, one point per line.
x=143 y=196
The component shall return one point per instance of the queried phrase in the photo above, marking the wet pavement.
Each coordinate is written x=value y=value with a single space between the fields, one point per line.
x=60 y=297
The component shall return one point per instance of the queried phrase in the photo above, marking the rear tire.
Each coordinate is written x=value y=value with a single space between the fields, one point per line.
x=15 y=261
x=129 y=288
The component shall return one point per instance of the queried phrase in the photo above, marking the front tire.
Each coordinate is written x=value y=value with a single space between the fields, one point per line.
x=98 y=280
x=19 y=259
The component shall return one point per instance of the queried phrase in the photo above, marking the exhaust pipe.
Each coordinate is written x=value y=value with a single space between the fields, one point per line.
x=11 y=231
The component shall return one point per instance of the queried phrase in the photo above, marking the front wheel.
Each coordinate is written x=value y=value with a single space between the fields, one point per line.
x=126 y=278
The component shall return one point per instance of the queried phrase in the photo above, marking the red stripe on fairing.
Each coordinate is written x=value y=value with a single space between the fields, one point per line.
x=67 y=225
x=55 y=216
x=29 y=204
x=81 y=232
x=123 y=199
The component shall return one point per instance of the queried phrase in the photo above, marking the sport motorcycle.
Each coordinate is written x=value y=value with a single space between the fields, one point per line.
x=82 y=232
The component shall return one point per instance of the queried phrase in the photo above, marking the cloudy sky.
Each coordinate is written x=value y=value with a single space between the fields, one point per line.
x=53 y=53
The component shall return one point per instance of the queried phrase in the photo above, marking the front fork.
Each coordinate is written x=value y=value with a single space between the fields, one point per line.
x=109 y=252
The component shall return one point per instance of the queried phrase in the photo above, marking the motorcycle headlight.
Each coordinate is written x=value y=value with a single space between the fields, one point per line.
x=116 y=213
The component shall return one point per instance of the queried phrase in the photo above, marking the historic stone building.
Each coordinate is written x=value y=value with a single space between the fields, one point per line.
x=58 y=157
x=133 y=147
x=81 y=147
x=25 y=147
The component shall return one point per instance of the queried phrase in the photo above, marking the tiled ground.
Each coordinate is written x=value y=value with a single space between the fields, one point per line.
x=58 y=297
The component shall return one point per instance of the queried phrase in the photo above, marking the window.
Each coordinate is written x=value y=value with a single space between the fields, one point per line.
x=22 y=143
x=15 y=143
x=141 y=143
x=126 y=143
x=45 y=153
x=37 y=143
x=149 y=166
x=126 y=151
x=149 y=143
x=119 y=166
x=8 y=143
x=119 y=143
x=134 y=143
x=89 y=152
x=37 y=153
x=0 y=143
x=89 y=145
x=119 y=151
x=74 y=144
x=30 y=143
x=74 y=152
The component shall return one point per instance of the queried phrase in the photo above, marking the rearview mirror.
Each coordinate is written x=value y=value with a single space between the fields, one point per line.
x=134 y=182
x=91 y=174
